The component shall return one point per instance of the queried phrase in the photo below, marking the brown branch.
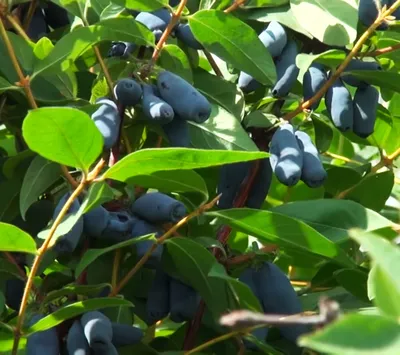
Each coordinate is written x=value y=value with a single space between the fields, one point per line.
x=306 y=104
x=213 y=64
x=69 y=177
x=381 y=51
x=240 y=259
x=235 y=6
x=31 y=11
x=17 y=26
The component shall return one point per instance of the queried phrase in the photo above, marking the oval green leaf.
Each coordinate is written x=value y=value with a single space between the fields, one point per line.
x=16 y=240
x=63 y=134
x=235 y=42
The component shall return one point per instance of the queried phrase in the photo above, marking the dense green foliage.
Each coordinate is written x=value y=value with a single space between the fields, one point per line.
x=167 y=164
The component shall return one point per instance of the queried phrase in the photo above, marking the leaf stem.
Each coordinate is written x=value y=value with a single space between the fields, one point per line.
x=213 y=64
x=117 y=260
x=159 y=241
x=15 y=23
x=381 y=51
x=235 y=6
x=31 y=11
x=69 y=177
x=23 y=81
x=306 y=104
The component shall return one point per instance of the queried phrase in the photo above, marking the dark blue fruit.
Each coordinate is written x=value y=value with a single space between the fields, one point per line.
x=340 y=106
x=286 y=156
x=313 y=173
x=183 y=300
x=230 y=178
x=368 y=12
x=140 y=228
x=313 y=80
x=177 y=132
x=118 y=227
x=274 y=40
x=186 y=101
x=76 y=341
x=154 y=108
x=286 y=70
x=156 y=20
x=356 y=64
x=56 y=16
x=157 y=35
x=261 y=184
x=125 y=334
x=174 y=2
x=247 y=278
x=156 y=207
x=184 y=33
x=128 y=92
x=68 y=242
x=37 y=27
x=278 y=297
x=157 y=304
x=44 y=342
x=14 y=293
x=95 y=221
x=121 y=49
x=365 y=105
x=104 y=349
x=107 y=120
x=97 y=328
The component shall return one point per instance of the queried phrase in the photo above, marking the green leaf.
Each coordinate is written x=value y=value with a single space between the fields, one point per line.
x=174 y=59
x=62 y=134
x=142 y=5
x=251 y=4
x=337 y=20
x=75 y=7
x=271 y=227
x=356 y=334
x=221 y=131
x=173 y=181
x=387 y=298
x=235 y=42
x=73 y=289
x=5 y=85
x=40 y=175
x=221 y=92
x=75 y=43
x=92 y=254
x=354 y=281
x=383 y=79
x=99 y=193
x=75 y=309
x=148 y=161
x=386 y=257
x=193 y=263
x=16 y=240
x=334 y=218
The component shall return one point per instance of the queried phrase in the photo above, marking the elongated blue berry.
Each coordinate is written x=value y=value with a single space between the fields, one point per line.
x=186 y=101
x=68 y=242
x=125 y=334
x=365 y=105
x=14 y=293
x=230 y=178
x=278 y=297
x=76 y=341
x=286 y=70
x=44 y=342
x=97 y=328
x=156 y=20
x=286 y=156
x=56 y=16
x=119 y=226
x=340 y=105
x=313 y=80
x=356 y=64
x=156 y=207
x=261 y=184
x=184 y=301
x=313 y=173
x=184 y=33
x=154 y=107
x=128 y=92
x=95 y=221
x=121 y=49
x=177 y=132
x=157 y=304
x=107 y=120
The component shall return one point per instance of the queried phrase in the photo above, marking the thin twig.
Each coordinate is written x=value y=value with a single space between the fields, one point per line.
x=23 y=81
x=381 y=51
x=117 y=260
x=306 y=104
x=69 y=177
x=235 y=6
x=159 y=241
x=17 y=26
x=240 y=259
x=213 y=64
x=31 y=11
